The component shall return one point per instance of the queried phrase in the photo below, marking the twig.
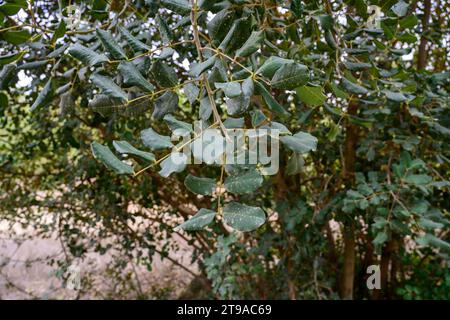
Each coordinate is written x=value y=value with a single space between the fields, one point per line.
x=204 y=78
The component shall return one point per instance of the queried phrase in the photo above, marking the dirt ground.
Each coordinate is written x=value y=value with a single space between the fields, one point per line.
x=26 y=274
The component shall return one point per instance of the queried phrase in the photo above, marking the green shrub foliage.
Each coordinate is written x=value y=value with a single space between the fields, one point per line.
x=92 y=91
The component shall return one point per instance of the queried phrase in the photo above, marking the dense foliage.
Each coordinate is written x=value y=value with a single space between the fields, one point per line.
x=357 y=88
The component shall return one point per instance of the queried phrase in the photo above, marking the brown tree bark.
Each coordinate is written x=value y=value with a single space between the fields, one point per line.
x=348 y=270
x=349 y=159
x=423 y=50
x=385 y=265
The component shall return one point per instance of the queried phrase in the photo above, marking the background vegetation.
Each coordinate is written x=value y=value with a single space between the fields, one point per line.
x=358 y=87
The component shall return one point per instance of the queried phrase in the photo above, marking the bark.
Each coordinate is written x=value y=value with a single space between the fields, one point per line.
x=423 y=51
x=348 y=273
x=385 y=264
x=280 y=194
x=332 y=256
x=349 y=155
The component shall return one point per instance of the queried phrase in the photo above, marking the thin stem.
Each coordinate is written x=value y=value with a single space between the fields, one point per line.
x=219 y=208
x=204 y=78
x=176 y=149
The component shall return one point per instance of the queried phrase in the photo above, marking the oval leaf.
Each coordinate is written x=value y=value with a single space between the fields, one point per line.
x=125 y=147
x=199 y=221
x=244 y=183
x=203 y=186
x=242 y=217
x=300 y=142
x=105 y=155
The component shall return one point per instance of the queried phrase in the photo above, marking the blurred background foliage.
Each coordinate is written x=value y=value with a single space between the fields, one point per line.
x=374 y=192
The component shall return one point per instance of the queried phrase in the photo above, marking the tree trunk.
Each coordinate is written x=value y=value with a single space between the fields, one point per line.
x=385 y=263
x=348 y=270
x=423 y=52
x=348 y=273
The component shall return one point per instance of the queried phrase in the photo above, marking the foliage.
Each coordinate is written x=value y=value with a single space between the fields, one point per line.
x=364 y=123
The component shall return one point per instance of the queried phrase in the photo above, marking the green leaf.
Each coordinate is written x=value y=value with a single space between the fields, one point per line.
x=236 y=106
x=395 y=96
x=234 y=123
x=106 y=106
x=357 y=66
x=418 y=179
x=237 y=35
x=109 y=88
x=17 y=37
x=271 y=65
x=219 y=25
x=205 y=108
x=248 y=87
x=312 y=96
x=125 y=147
x=8 y=58
x=132 y=77
x=3 y=102
x=164 y=75
x=334 y=131
x=244 y=182
x=134 y=43
x=199 y=221
x=408 y=22
x=338 y=92
x=270 y=101
x=241 y=102
x=44 y=97
x=60 y=31
x=86 y=55
x=326 y=21
x=380 y=222
x=301 y=142
x=164 y=30
x=191 y=91
x=297 y=8
x=226 y=42
x=251 y=45
x=11 y=9
x=175 y=163
x=165 y=104
x=105 y=155
x=32 y=65
x=242 y=217
x=110 y=44
x=179 y=6
x=290 y=76
x=353 y=87
x=329 y=39
x=198 y=68
x=165 y=53
x=407 y=37
x=400 y=8
x=381 y=238
x=430 y=224
x=282 y=130
x=207 y=4
x=6 y=75
x=231 y=89
x=203 y=186
x=175 y=124
x=58 y=51
x=66 y=103
x=295 y=164
x=436 y=242
x=154 y=140
x=257 y=117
